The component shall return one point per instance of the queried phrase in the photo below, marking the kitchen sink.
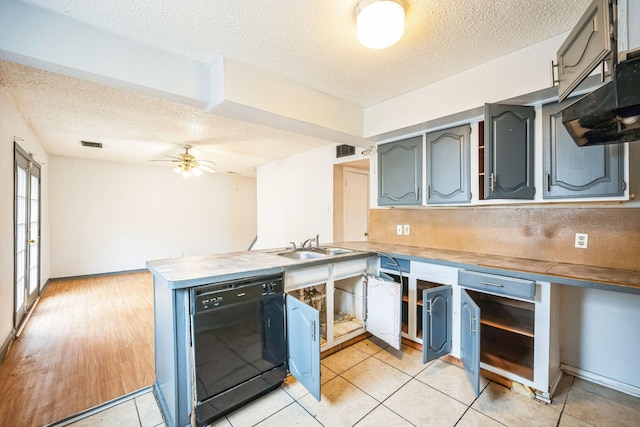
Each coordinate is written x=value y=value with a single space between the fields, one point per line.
x=338 y=251
x=303 y=254
x=312 y=253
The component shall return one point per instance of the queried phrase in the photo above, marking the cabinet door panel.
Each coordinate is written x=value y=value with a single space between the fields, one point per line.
x=470 y=339
x=436 y=323
x=509 y=151
x=588 y=44
x=384 y=299
x=447 y=160
x=400 y=172
x=303 y=341
x=573 y=171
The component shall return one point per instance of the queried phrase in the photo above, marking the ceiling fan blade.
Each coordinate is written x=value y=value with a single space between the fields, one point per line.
x=164 y=160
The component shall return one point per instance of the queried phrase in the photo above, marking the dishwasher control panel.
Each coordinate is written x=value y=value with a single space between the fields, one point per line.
x=218 y=295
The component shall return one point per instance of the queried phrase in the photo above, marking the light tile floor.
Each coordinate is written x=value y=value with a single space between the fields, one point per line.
x=368 y=385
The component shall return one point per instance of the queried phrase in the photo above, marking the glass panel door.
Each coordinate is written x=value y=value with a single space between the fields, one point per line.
x=26 y=233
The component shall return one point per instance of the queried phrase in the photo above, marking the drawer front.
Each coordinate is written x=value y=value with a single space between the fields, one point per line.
x=387 y=264
x=501 y=285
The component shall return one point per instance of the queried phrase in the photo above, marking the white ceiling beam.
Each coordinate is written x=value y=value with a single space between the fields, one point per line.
x=42 y=39
x=54 y=42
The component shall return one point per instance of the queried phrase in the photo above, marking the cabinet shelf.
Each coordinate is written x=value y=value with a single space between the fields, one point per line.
x=508 y=318
x=517 y=357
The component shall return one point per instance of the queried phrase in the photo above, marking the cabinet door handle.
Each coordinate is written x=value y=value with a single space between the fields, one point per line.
x=471 y=320
x=548 y=182
x=417 y=193
x=313 y=331
x=495 y=285
x=429 y=306
x=492 y=180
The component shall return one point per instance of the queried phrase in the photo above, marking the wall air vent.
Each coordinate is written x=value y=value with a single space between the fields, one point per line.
x=91 y=144
x=345 y=150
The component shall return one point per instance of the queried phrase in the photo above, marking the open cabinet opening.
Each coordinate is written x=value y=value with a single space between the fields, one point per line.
x=348 y=306
x=316 y=297
x=507 y=333
x=421 y=285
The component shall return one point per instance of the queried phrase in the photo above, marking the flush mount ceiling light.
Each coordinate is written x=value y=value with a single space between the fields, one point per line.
x=380 y=23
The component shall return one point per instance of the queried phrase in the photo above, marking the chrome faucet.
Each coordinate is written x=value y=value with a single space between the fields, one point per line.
x=311 y=241
x=293 y=246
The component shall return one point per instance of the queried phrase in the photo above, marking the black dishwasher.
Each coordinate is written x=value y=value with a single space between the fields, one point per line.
x=239 y=343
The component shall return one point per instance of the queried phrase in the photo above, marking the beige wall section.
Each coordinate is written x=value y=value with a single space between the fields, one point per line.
x=545 y=233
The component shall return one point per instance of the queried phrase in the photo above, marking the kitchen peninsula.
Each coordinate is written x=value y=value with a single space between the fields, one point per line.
x=175 y=278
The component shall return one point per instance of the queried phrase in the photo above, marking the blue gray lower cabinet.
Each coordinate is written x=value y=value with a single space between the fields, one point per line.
x=470 y=339
x=436 y=323
x=173 y=367
x=303 y=340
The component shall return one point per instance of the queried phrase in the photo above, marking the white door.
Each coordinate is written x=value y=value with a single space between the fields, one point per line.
x=356 y=205
x=26 y=232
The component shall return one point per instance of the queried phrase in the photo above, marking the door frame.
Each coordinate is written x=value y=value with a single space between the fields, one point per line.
x=21 y=159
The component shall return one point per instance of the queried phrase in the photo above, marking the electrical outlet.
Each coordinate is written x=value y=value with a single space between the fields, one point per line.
x=582 y=240
x=406 y=229
x=399 y=229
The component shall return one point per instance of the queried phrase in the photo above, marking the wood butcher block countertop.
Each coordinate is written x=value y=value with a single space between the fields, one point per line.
x=198 y=270
x=610 y=279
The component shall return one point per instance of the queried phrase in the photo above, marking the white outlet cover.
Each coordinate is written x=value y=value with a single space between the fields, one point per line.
x=582 y=240
x=407 y=229
x=399 y=229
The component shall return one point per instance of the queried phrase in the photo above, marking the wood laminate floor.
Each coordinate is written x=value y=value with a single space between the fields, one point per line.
x=88 y=341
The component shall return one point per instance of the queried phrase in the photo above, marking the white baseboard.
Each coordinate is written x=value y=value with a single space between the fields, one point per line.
x=599 y=379
x=4 y=349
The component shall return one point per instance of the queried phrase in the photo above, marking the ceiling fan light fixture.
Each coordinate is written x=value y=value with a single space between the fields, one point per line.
x=380 y=23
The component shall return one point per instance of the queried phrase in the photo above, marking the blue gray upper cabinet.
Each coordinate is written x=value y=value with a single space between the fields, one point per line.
x=400 y=172
x=588 y=44
x=573 y=171
x=447 y=164
x=508 y=160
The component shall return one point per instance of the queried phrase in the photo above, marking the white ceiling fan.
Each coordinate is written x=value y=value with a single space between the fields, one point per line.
x=186 y=164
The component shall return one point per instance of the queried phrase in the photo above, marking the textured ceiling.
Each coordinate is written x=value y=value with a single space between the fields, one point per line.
x=311 y=42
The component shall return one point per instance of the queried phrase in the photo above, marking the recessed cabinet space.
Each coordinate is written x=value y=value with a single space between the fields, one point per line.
x=426 y=302
x=508 y=152
x=571 y=171
x=400 y=172
x=329 y=304
x=509 y=326
x=447 y=165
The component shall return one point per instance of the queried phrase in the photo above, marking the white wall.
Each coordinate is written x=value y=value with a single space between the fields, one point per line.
x=109 y=217
x=599 y=333
x=524 y=71
x=13 y=125
x=295 y=197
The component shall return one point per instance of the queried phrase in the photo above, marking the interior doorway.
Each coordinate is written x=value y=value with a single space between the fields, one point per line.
x=351 y=201
x=26 y=233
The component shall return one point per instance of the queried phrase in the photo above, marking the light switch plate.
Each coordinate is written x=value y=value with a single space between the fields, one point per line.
x=406 y=229
x=399 y=229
